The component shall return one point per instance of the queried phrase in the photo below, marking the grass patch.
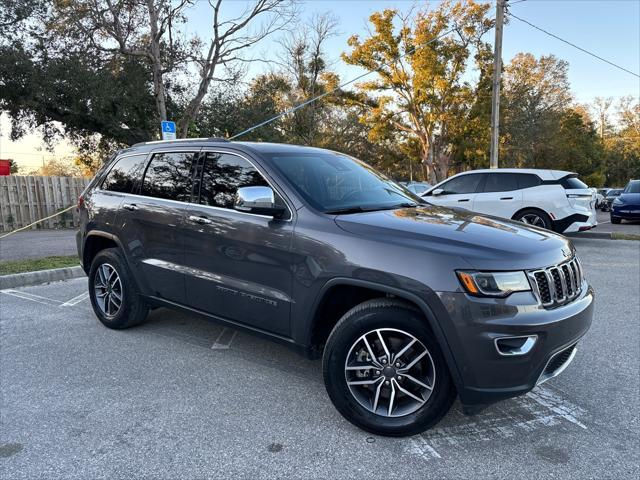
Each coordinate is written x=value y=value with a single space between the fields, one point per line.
x=33 y=264
x=625 y=236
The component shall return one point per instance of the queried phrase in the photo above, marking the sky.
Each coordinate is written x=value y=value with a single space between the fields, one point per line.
x=608 y=28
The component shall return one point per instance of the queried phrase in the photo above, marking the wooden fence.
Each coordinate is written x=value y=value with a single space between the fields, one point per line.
x=24 y=200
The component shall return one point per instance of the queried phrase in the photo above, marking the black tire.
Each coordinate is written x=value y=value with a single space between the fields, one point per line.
x=133 y=310
x=615 y=220
x=530 y=213
x=385 y=314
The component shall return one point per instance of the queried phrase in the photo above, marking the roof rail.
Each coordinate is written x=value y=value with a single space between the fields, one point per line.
x=210 y=139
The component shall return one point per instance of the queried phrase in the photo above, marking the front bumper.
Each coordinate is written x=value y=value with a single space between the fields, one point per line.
x=627 y=212
x=473 y=324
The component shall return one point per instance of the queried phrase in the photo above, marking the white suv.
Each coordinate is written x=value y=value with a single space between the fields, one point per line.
x=550 y=199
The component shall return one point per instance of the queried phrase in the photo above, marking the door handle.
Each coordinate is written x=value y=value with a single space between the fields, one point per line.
x=200 y=220
x=506 y=198
x=130 y=206
x=463 y=200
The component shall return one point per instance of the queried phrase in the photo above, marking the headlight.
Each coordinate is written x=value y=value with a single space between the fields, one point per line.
x=494 y=284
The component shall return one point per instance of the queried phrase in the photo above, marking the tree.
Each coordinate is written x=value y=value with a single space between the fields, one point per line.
x=148 y=31
x=89 y=95
x=536 y=93
x=420 y=90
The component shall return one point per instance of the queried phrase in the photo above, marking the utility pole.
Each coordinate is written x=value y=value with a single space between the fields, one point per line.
x=495 y=94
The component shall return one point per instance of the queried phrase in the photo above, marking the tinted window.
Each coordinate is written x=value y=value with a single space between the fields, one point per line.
x=332 y=182
x=570 y=183
x=633 y=187
x=222 y=175
x=501 y=182
x=527 y=180
x=169 y=176
x=462 y=184
x=125 y=174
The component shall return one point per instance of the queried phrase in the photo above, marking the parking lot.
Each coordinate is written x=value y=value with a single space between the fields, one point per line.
x=179 y=397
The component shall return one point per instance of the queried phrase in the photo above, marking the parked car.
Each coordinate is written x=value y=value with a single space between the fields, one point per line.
x=418 y=187
x=626 y=206
x=550 y=199
x=601 y=197
x=611 y=196
x=409 y=304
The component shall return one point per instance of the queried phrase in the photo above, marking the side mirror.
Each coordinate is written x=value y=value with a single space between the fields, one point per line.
x=258 y=200
x=437 y=191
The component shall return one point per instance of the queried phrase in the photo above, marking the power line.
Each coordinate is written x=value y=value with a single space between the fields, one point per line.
x=339 y=87
x=573 y=45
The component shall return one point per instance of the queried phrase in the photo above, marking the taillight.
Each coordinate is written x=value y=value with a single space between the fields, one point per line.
x=80 y=201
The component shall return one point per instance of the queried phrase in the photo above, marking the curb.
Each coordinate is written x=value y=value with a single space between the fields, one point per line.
x=606 y=235
x=601 y=235
x=40 y=276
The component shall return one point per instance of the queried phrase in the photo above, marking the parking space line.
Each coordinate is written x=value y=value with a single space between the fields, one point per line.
x=32 y=297
x=557 y=405
x=224 y=340
x=75 y=300
x=420 y=446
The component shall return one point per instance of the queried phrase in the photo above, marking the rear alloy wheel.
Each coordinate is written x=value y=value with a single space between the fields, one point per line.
x=535 y=218
x=113 y=292
x=384 y=370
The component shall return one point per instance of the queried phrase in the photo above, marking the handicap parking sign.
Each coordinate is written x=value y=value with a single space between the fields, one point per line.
x=168 y=130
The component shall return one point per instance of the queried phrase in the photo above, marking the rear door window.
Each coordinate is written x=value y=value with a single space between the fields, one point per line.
x=169 y=176
x=528 y=180
x=501 y=182
x=462 y=184
x=125 y=175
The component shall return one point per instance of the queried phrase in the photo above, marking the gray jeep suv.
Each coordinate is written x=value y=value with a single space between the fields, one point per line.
x=408 y=304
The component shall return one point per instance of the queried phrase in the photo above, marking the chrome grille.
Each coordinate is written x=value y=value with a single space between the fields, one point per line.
x=558 y=284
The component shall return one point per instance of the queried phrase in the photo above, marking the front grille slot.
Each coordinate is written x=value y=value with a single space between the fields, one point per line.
x=558 y=284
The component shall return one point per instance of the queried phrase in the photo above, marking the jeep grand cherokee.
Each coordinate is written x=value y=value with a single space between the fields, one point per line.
x=409 y=304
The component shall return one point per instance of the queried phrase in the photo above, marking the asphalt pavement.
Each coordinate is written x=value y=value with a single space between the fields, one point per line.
x=180 y=397
x=37 y=244
x=605 y=225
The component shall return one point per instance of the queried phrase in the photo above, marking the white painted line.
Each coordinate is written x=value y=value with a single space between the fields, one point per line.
x=76 y=300
x=224 y=340
x=31 y=296
x=561 y=407
x=602 y=223
x=420 y=446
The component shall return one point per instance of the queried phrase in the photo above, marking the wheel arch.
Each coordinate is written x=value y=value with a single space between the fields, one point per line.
x=531 y=208
x=94 y=242
x=320 y=324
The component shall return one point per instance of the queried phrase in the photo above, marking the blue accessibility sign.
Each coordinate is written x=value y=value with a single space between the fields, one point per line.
x=168 y=130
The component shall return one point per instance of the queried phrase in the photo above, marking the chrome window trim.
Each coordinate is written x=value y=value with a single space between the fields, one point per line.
x=222 y=209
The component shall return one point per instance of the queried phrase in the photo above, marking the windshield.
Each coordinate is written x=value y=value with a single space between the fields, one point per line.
x=633 y=187
x=335 y=183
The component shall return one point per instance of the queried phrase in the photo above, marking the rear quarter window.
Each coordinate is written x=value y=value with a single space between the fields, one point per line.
x=125 y=174
x=571 y=183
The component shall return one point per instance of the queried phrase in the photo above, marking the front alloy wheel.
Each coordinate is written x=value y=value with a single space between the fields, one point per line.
x=384 y=370
x=390 y=372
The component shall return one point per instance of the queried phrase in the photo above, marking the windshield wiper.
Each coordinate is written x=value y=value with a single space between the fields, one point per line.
x=358 y=209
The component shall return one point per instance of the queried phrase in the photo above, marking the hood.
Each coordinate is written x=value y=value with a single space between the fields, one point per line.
x=629 y=198
x=485 y=242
